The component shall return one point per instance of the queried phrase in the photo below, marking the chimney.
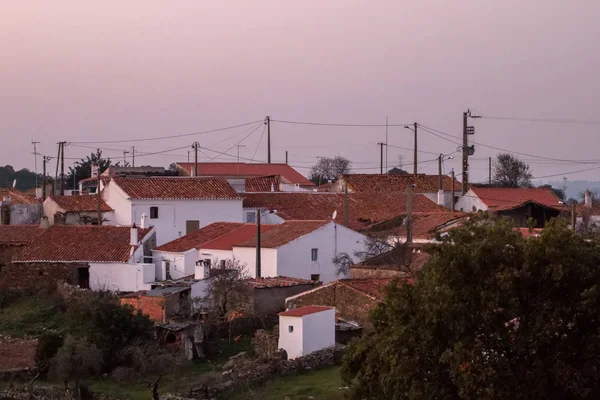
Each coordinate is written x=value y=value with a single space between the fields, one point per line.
x=587 y=199
x=95 y=170
x=143 y=221
x=44 y=223
x=133 y=238
x=440 y=199
x=272 y=187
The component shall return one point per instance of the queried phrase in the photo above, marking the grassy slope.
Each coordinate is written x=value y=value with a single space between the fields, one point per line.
x=31 y=316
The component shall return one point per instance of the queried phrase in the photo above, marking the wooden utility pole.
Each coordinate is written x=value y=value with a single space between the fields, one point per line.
x=465 y=154
x=268 y=122
x=286 y=157
x=98 y=204
x=490 y=172
x=258 y=260
x=346 y=207
x=415 y=155
x=195 y=146
x=133 y=156
x=440 y=182
x=56 y=172
x=452 y=199
x=409 y=199
x=381 y=144
x=45 y=160
x=62 y=168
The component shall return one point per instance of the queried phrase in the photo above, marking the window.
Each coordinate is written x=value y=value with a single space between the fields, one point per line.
x=223 y=264
x=153 y=212
x=191 y=226
x=290 y=329
x=314 y=254
x=315 y=277
x=251 y=217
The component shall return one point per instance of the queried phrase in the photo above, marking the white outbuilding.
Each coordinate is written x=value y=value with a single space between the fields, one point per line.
x=307 y=329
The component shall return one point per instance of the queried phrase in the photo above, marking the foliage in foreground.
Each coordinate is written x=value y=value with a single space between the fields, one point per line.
x=492 y=316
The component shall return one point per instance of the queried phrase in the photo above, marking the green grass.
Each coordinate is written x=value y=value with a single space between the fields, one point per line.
x=123 y=391
x=322 y=384
x=31 y=316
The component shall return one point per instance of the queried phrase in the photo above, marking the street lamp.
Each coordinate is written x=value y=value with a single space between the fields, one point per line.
x=258 y=260
x=441 y=159
x=414 y=129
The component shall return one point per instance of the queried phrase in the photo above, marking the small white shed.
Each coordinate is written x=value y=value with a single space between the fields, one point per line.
x=306 y=329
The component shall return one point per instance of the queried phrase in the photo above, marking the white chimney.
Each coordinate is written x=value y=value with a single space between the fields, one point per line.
x=587 y=199
x=272 y=187
x=440 y=199
x=44 y=223
x=133 y=238
x=143 y=221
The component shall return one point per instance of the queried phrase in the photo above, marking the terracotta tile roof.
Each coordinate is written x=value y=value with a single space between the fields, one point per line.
x=195 y=239
x=19 y=234
x=326 y=187
x=365 y=209
x=17 y=354
x=284 y=233
x=302 y=311
x=18 y=197
x=279 y=281
x=81 y=243
x=235 y=237
x=507 y=198
x=81 y=203
x=370 y=183
x=176 y=188
x=371 y=287
x=289 y=174
x=263 y=184
x=398 y=259
x=425 y=226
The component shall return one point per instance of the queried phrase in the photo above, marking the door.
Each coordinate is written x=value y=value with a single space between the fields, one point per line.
x=191 y=226
x=83 y=278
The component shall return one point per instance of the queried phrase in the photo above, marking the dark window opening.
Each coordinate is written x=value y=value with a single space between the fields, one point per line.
x=191 y=226
x=153 y=212
x=314 y=254
x=290 y=329
x=315 y=277
x=83 y=278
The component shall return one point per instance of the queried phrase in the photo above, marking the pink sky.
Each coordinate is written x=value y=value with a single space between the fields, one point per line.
x=77 y=71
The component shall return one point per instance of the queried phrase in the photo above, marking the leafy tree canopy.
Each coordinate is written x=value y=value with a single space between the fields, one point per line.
x=397 y=171
x=491 y=316
x=557 y=191
x=329 y=168
x=25 y=178
x=509 y=171
x=82 y=169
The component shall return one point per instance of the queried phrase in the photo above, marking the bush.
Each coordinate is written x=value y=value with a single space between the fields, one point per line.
x=48 y=346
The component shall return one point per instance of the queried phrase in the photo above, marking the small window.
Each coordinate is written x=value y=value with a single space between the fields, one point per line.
x=290 y=329
x=314 y=254
x=315 y=277
x=153 y=212
x=223 y=264
x=251 y=217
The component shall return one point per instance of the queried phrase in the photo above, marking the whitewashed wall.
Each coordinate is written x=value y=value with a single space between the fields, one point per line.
x=268 y=261
x=470 y=202
x=121 y=277
x=118 y=201
x=318 y=331
x=291 y=342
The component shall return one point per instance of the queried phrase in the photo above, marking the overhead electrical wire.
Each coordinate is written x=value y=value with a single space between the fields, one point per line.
x=259 y=141
x=241 y=140
x=545 y=120
x=333 y=124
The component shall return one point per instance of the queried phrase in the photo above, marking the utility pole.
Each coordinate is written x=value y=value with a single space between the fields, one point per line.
x=45 y=160
x=125 y=152
x=286 y=156
x=35 y=161
x=440 y=182
x=268 y=122
x=573 y=216
x=415 y=155
x=195 y=147
x=98 y=204
x=258 y=260
x=346 y=207
x=56 y=172
x=465 y=153
x=409 y=199
x=452 y=199
x=62 y=168
x=386 y=142
x=490 y=172
x=133 y=156
x=380 y=144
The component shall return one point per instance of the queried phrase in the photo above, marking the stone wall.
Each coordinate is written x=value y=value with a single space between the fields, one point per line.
x=377 y=273
x=7 y=253
x=37 y=277
x=349 y=304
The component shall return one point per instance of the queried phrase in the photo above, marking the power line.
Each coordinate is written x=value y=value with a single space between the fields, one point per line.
x=241 y=140
x=260 y=140
x=332 y=124
x=170 y=136
x=552 y=121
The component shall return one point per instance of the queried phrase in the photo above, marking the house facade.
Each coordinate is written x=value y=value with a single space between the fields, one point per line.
x=18 y=208
x=174 y=206
x=76 y=210
x=307 y=329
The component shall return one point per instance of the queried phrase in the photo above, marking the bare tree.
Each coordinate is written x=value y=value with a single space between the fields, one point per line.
x=511 y=172
x=329 y=168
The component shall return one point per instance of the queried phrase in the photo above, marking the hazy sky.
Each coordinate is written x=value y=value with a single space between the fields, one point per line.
x=115 y=70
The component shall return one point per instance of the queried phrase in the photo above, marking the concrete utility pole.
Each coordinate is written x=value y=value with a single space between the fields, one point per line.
x=56 y=172
x=45 y=160
x=286 y=156
x=195 y=147
x=409 y=199
x=258 y=260
x=452 y=200
x=98 y=204
x=133 y=156
x=62 y=168
x=381 y=144
x=268 y=122
x=490 y=171
x=573 y=216
x=415 y=155
x=440 y=182
x=465 y=153
x=35 y=161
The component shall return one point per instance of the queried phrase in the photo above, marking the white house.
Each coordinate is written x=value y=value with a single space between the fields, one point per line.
x=95 y=257
x=307 y=329
x=76 y=210
x=497 y=199
x=297 y=249
x=175 y=206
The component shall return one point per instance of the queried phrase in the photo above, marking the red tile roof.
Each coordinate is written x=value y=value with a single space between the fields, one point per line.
x=83 y=203
x=263 y=184
x=425 y=226
x=279 y=281
x=284 y=233
x=369 y=183
x=371 y=287
x=19 y=234
x=235 y=237
x=18 y=197
x=246 y=170
x=195 y=239
x=507 y=198
x=81 y=243
x=365 y=209
x=176 y=188
x=302 y=311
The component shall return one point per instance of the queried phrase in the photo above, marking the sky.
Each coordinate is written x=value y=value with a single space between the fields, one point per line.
x=84 y=72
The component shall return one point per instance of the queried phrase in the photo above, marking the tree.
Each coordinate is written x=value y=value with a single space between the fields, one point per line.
x=227 y=290
x=82 y=169
x=25 y=178
x=329 y=168
x=560 y=193
x=398 y=170
x=511 y=172
x=491 y=316
x=76 y=360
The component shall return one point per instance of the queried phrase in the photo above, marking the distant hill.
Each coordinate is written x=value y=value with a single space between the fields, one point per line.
x=576 y=187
